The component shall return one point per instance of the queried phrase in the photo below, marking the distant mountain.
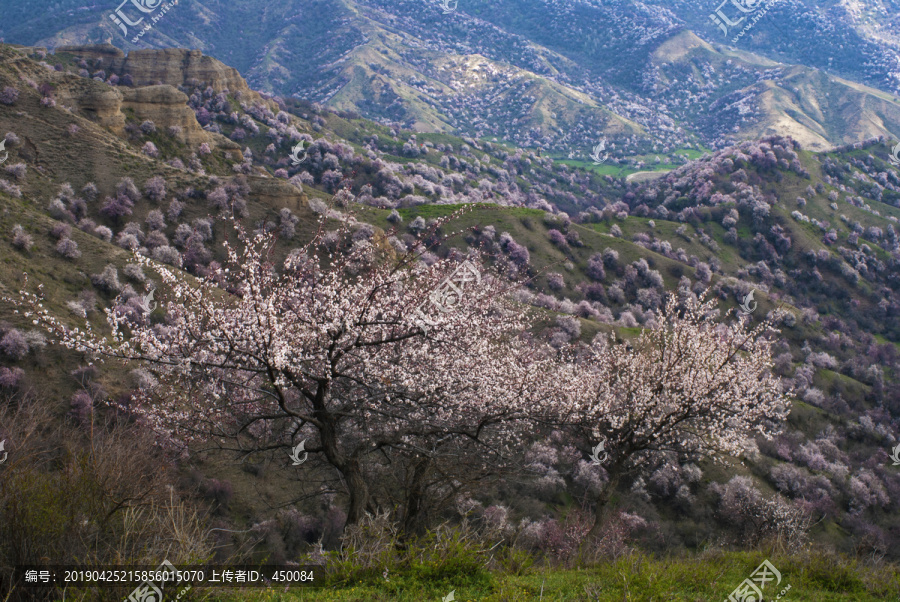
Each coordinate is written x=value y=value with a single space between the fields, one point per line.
x=559 y=76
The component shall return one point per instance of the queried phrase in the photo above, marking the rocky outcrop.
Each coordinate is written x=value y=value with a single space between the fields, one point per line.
x=165 y=106
x=172 y=66
x=276 y=193
x=102 y=52
x=97 y=102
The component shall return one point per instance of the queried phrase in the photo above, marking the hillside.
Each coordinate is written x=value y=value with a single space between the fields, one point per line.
x=157 y=154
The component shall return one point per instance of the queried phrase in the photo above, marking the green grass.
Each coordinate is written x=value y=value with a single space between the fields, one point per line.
x=713 y=575
x=618 y=171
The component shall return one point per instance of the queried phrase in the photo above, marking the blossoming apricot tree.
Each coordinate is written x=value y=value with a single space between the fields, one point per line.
x=329 y=349
x=689 y=385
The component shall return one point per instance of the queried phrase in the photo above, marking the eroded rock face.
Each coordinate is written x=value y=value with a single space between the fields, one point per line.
x=98 y=102
x=276 y=193
x=172 y=66
x=165 y=106
x=106 y=52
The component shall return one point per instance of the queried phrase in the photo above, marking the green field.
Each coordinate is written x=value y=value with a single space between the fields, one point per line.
x=709 y=576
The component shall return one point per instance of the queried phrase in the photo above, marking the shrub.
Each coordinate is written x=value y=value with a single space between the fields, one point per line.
x=9 y=95
x=14 y=345
x=417 y=225
x=288 y=223
x=203 y=227
x=557 y=238
x=90 y=191
x=135 y=272
x=150 y=149
x=156 y=238
x=518 y=254
x=758 y=518
x=128 y=241
x=21 y=240
x=10 y=189
x=155 y=188
x=595 y=292
x=117 y=208
x=68 y=248
x=167 y=254
x=555 y=281
x=87 y=225
x=11 y=377
x=73 y=507
x=17 y=171
x=61 y=230
x=108 y=280
x=156 y=220
x=175 y=209
x=81 y=407
x=218 y=198
x=103 y=233
x=148 y=127
x=595 y=269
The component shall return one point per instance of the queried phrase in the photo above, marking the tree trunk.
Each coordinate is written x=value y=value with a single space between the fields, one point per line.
x=415 y=497
x=602 y=509
x=349 y=467
x=358 y=489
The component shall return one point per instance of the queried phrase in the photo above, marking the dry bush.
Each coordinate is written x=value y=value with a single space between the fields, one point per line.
x=101 y=498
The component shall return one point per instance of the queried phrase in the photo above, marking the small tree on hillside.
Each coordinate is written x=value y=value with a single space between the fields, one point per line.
x=688 y=385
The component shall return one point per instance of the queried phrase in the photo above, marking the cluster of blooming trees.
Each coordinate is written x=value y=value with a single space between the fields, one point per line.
x=321 y=350
x=690 y=384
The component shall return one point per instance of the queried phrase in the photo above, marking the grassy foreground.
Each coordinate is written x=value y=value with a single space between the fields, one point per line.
x=813 y=577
